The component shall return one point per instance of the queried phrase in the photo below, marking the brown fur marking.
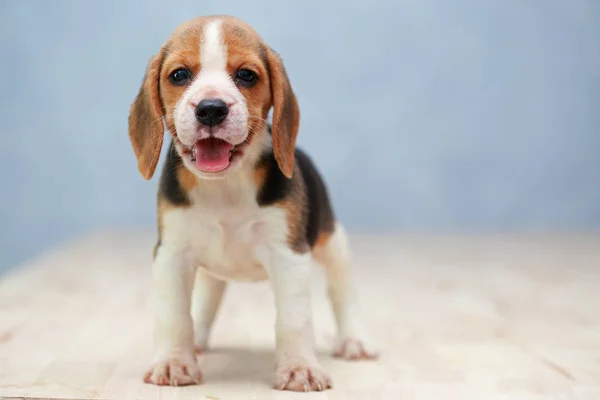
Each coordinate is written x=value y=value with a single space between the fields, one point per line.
x=323 y=238
x=295 y=208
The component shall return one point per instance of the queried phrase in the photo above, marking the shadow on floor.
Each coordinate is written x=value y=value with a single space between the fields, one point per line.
x=250 y=365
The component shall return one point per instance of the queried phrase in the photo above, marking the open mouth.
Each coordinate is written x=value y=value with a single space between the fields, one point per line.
x=213 y=154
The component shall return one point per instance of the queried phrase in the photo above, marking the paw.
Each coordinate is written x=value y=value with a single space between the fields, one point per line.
x=353 y=349
x=176 y=371
x=301 y=377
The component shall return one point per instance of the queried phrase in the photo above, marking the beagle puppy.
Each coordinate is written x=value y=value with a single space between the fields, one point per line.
x=236 y=201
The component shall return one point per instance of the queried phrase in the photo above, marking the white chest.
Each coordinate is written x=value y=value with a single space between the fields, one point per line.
x=226 y=237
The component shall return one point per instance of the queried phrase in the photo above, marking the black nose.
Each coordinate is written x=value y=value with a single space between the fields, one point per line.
x=211 y=112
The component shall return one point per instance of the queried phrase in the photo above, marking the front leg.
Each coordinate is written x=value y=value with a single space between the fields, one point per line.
x=174 y=363
x=297 y=366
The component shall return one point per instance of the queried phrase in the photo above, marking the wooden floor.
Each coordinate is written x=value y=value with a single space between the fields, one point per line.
x=457 y=318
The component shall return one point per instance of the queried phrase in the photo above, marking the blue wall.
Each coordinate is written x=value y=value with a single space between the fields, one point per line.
x=423 y=115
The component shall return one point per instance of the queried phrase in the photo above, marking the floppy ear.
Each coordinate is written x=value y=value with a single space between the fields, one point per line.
x=146 y=129
x=286 y=114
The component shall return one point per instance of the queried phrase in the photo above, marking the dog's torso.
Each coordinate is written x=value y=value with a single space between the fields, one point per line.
x=222 y=228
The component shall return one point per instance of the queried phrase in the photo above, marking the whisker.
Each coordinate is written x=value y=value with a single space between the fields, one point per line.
x=176 y=166
x=257 y=117
x=273 y=127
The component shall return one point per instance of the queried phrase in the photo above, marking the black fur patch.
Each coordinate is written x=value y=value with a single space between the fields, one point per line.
x=169 y=187
x=320 y=216
x=276 y=186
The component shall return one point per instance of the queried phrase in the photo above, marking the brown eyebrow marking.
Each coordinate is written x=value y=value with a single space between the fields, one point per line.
x=237 y=30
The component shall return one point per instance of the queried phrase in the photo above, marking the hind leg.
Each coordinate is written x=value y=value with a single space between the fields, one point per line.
x=333 y=253
x=206 y=298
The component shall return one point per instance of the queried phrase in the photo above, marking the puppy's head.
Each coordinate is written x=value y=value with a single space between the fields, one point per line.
x=213 y=83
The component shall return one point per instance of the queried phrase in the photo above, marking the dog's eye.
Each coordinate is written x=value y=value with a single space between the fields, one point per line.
x=245 y=77
x=180 y=76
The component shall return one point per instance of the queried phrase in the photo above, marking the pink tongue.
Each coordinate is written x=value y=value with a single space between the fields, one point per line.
x=212 y=155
